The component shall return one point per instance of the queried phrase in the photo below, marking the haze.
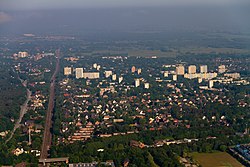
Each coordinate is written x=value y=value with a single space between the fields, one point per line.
x=102 y=16
x=55 y=4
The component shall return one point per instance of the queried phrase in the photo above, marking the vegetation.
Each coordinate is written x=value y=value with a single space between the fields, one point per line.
x=12 y=95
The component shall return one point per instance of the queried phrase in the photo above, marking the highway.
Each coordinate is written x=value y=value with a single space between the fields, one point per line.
x=47 y=136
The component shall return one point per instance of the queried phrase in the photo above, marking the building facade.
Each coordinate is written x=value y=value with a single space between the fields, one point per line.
x=191 y=69
x=180 y=70
x=203 y=69
x=79 y=73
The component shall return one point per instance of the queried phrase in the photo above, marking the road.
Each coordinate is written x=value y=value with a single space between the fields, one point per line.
x=47 y=136
x=23 y=109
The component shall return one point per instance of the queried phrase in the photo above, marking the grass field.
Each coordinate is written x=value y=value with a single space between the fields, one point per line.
x=218 y=159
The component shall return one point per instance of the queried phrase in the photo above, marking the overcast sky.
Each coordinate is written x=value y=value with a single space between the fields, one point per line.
x=122 y=15
x=58 y=4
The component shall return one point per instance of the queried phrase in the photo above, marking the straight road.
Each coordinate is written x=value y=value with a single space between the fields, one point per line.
x=47 y=136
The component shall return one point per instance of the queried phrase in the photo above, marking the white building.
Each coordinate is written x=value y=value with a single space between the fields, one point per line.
x=146 y=85
x=18 y=151
x=98 y=67
x=201 y=75
x=95 y=65
x=203 y=69
x=91 y=75
x=137 y=82
x=199 y=80
x=23 y=54
x=79 y=73
x=222 y=69
x=108 y=73
x=191 y=69
x=174 y=77
x=211 y=84
x=165 y=74
x=133 y=69
x=67 y=70
x=120 y=79
x=232 y=75
x=114 y=77
x=139 y=71
x=180 y=70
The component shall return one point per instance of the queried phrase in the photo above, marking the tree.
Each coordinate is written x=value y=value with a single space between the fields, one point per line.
x=223 y=148
x=151 y=160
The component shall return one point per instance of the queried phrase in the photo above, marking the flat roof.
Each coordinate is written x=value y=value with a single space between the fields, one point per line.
x=48 y=160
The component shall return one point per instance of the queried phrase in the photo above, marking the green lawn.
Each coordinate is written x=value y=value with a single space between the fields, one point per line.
x=220 y=159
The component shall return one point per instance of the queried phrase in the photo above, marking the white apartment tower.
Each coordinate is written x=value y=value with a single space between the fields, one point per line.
x=133 y=69
x=192 y=69
x=120 y=79
x=174 y=77
x=79 y=73
x=95 y=65
x=211 y=84
x=114 y=77
x=180 y=70
x=137 y=82
x=139 y=71
x=203 y=69
x=67 y=70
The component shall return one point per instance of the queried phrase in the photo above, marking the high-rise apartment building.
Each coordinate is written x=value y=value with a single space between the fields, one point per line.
x=137 y=82
x=222 y=69
x=180 y=70
x=211 y=84
x=139 y=71
x=120 y=79
x=192 y=69
x=95 y=65
x=174 y=77
x=133 y=69
x=203 y=69
x=79 y=73
x=67 y=70
x=114 y=77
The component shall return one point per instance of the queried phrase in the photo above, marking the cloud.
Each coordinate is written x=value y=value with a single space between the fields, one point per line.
x=4 y=17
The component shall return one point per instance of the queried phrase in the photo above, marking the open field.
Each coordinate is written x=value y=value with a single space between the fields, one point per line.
x=209 y=50
x=170 y=53
x=150 y=53
x=218 y=159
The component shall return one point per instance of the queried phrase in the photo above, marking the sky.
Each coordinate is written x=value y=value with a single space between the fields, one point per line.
x=71 y=4
x=50 y=16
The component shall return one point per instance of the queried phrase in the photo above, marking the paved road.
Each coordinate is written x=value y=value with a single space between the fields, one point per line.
x=47 y=136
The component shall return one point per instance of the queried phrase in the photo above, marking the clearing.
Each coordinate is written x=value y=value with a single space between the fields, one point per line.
x=220 y=159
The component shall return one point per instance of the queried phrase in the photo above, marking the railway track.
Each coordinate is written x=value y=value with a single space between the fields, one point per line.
x=47 y=136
